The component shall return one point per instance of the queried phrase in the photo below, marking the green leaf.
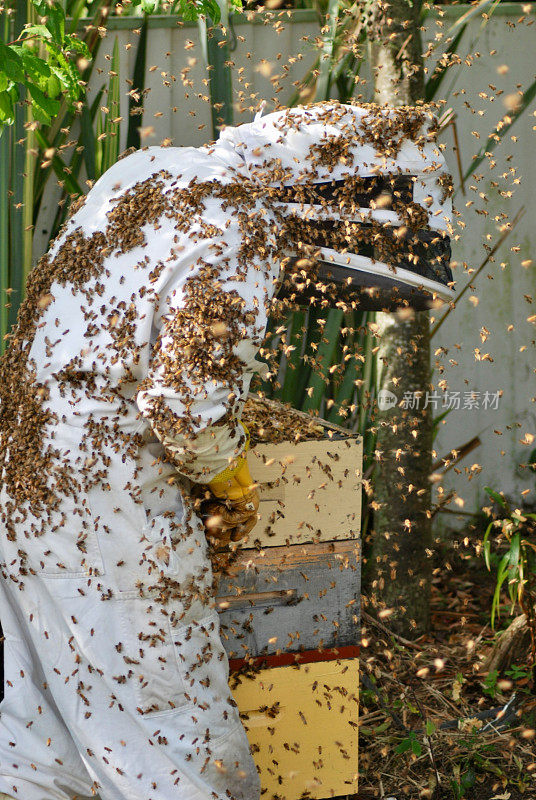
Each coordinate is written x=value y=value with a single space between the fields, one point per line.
x=404 y=746
x=502 y=574
x=468 y=779
x=65 y=71
x=212 y=10
x=75 y=12
x=40 y=115
x=3 y=82
x=42 y=102
x=436 y=422
x=383 y=727
x=490 y=683
x=53 y=86
x=6 y=107
x=72 y=43
x=55 y=22
x=54 y=19
x=37 y=69
x=430 y=727
x=515 y=550
x=416 y=747
x=71 y=185
x=433 y=84
x=193 y=9
x=475 y=10
x=41 y=6
x=11 y=63
x=41 y=31
x=486 y=544
x=495 y=496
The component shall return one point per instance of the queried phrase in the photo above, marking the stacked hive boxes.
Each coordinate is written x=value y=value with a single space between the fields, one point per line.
x=289 y=609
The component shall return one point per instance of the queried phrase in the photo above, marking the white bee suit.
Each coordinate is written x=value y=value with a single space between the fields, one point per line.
x=116 y=679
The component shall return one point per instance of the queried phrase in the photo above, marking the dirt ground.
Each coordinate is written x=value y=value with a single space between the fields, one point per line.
x=429 y=726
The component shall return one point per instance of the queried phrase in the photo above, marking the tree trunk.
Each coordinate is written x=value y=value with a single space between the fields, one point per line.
x=400 y=566
x=396 y=52
x=512 y=646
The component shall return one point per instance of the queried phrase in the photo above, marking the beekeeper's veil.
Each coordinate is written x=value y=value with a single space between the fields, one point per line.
x=363 y=201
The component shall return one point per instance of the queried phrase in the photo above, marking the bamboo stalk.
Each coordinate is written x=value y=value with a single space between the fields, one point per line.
x=294 y=335
x=138 y=79
x=27 y=193
x=17 y=166
x=111 y=128
x=312 y=337
x=5 y=135
x=367 y=376
x=325 y=357
x=30 y=150
x=323 y=82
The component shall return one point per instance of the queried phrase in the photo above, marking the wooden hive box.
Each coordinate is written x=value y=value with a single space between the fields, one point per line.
x=310 y=487
x=301 y=723
x=291 y=600
x=289 y=609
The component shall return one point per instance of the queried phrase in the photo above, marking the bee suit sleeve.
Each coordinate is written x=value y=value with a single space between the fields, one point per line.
x=215 y=307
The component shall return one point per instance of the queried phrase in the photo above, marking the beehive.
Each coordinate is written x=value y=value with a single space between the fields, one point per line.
x=289 y=607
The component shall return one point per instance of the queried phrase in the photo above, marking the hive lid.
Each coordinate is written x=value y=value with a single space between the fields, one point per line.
x=372 y=285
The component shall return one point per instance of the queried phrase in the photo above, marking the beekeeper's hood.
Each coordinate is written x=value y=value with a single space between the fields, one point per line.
x=363 y=190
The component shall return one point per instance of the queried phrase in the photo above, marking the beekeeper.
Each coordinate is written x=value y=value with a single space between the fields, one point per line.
x=121 y=390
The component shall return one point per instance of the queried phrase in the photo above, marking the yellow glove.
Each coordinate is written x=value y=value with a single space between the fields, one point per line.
x=235 y=482
x=234 y=513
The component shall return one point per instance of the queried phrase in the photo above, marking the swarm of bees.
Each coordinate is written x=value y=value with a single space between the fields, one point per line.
x=272 y=422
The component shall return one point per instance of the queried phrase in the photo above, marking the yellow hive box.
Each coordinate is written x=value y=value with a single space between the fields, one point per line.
x=309 y=491
x=301 y=722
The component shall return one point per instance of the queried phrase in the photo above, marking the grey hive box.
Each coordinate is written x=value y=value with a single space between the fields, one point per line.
x=291 y=600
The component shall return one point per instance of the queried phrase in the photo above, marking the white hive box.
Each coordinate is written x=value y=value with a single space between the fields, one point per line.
x=310 y=490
